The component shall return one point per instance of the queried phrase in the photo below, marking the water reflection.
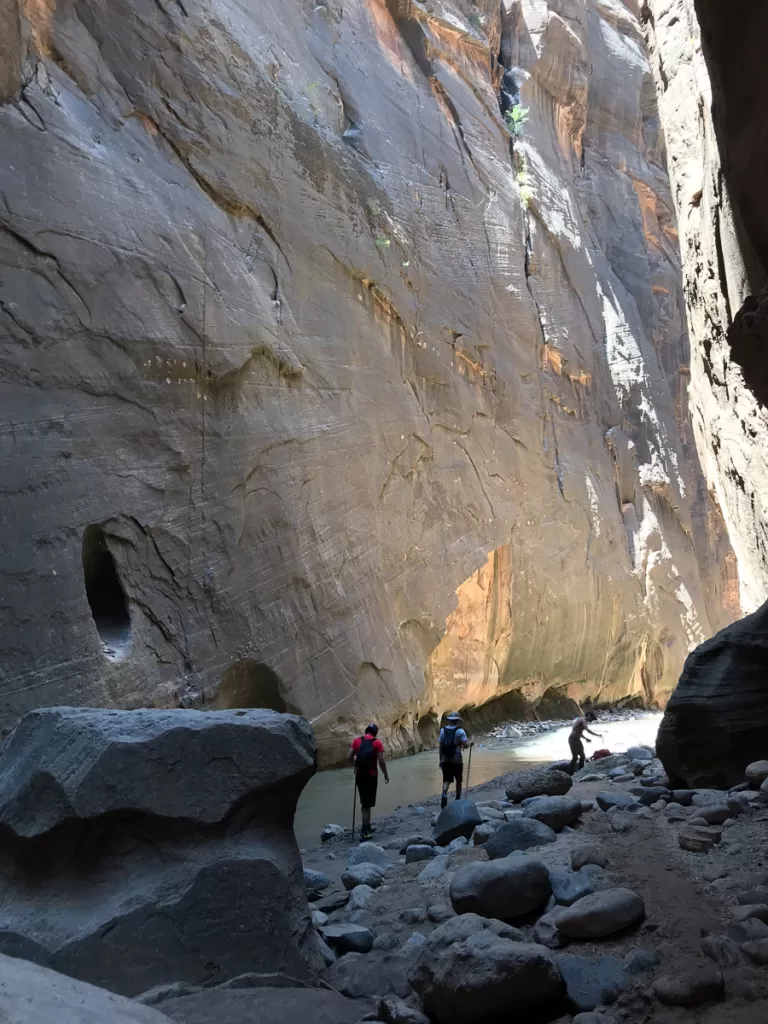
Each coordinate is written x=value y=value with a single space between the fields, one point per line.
x=329 y=795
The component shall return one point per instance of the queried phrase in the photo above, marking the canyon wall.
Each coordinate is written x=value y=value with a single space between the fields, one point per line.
x=712 y=80
x=304 y=352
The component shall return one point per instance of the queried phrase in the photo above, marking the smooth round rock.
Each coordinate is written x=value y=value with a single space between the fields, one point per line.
x=520 y=834
x=506 y=889
x=691 y=987
x=418 y=853
x=601 y=914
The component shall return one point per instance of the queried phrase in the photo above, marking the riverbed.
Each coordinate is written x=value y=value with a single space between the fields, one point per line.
x=329 y=795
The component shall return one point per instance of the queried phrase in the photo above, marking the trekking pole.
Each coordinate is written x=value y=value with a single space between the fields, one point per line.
x=354 y=803
x=469 y=769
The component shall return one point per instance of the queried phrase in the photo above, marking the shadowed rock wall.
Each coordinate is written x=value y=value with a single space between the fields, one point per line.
x=712 y=81
x=292 y=327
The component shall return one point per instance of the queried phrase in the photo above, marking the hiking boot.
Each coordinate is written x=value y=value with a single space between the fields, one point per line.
x=365 y=836
x=443 y=803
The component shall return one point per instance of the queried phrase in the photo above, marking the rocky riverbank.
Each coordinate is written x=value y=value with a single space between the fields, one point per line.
x=610 y=898
x=622 y=901
x=527 y=730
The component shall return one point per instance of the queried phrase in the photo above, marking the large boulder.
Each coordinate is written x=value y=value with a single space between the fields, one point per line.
x=640 y=754
x=607 y=800
x=537 y=782
x=592 y=981
x=367 y=874
x=601 y=914
x=30 y=994
x=554 y=811
x=459 y=818
x=569 y=886
x=519 y=834
x=506 y=889
x=369 y=853
x=349 y=938
x=716 y=720
x=284 y=1005
x=472 y=969
x=151 y=846
x=367 y=975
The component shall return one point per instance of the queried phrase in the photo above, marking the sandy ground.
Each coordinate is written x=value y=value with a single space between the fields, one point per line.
x=681 y=907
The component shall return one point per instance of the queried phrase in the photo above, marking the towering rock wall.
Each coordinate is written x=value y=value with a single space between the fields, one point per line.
x=712 y=81
x=297 y=342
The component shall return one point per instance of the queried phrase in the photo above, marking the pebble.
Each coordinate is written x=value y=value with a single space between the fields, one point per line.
x=714 y=871
x=435 y=869
x=757 y=950
x=363 y=874
x=349 y=938
x=639 y=960
x=722 y=950
x=588 y=854
x=698 y=840
x=413 y=945
x=690 y=987
x=414 y=915
x=621 y=821
x=750 y=910
x=402 y=844
x=417 y=853
x=386 y=942
x=753 y=896
x=439 y=912
x=331 y=832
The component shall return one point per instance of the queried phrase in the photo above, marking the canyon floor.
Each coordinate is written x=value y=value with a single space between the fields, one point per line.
x=688 y=897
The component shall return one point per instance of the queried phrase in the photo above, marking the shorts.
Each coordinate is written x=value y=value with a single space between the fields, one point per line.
x=366 y=787
x=452 y=771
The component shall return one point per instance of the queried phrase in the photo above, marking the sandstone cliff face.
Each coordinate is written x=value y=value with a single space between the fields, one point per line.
x=712 y=81
x=295 y=341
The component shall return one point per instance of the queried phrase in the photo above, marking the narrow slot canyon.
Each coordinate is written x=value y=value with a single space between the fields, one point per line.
x=384 y=486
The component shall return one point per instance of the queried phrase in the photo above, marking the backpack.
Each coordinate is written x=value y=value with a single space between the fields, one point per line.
x=600 y=754
x=366 y=756
x=448 y=745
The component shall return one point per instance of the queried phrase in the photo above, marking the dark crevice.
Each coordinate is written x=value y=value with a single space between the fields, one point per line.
x=748 y=339
x=105 y=593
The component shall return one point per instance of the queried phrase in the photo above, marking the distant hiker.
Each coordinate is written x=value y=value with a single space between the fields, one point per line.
x=452 y=741
x=578 y=727
x=366 y=754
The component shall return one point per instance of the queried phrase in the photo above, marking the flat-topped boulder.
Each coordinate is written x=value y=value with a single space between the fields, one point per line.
x=546 y=781
x=61 y=764
x=159 y=844
x=459 y=818
x=473 y=969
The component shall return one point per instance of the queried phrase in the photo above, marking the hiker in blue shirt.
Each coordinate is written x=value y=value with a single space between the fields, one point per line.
x=452 y=741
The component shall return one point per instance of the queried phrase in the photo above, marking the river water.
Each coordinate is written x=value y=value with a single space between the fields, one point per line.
x=328 y=796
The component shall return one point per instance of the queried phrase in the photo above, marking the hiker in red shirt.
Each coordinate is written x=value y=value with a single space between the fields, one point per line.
x=366 y=754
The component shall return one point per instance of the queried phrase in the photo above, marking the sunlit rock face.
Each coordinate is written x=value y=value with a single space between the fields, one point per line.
x=309 y=360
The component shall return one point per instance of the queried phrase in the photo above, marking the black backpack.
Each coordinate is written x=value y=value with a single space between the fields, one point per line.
x=366 y=755
x=448 y=745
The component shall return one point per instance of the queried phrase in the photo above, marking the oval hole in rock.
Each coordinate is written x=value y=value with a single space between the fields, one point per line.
x=250 y=684
x=106 y=597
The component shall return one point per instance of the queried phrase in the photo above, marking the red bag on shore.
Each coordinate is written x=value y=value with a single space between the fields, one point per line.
x=599 y=754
